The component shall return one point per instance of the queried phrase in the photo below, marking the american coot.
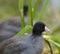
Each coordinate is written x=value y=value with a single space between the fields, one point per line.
x=9 y=28
x=32 y=44
x=12 y=26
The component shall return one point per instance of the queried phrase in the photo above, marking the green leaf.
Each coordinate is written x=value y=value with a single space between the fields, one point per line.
x=49 y=46
x=24 y=30
x=35 y=8
x=56 y=44
x=42 y=11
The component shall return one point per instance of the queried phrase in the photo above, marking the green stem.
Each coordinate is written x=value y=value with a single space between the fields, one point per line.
x=24 y=30
x=21 y=2
x=49 y=46
x=56 y=44
x=30 y=19
x=35 y=7
x=43 y=10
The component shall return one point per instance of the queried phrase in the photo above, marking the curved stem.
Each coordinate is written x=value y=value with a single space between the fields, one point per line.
x=49 y=46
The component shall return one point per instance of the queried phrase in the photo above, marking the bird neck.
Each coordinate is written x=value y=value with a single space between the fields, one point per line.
x=36 y=35
x=36 y=39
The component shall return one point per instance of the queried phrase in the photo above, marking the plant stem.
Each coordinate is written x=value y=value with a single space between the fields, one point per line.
x=35 y=7
x=21 y=2
x=30 y=19
x=49 y=46
x=24 y=30
x=43 y=10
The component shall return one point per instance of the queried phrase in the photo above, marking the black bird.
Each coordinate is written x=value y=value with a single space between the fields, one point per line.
x=12 y=26
x=32 y=44
x=9 y=28
x=25 y=9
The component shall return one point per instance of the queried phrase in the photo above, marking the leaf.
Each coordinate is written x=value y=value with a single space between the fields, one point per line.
x=49 y=46
x=43 y=10
x=24 y=30
x=56 y=44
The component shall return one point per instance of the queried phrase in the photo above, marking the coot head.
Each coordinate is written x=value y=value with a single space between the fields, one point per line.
x=38 y=28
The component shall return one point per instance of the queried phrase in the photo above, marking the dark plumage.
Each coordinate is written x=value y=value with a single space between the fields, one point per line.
x=32 y=44
x=9 y=28
x=38 y=28
x=12 y=26
x=25 y=9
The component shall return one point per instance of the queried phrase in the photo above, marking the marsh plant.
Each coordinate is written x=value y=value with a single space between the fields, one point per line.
x=50 y=39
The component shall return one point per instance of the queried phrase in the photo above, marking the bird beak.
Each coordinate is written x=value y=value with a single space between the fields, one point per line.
x=46 y=29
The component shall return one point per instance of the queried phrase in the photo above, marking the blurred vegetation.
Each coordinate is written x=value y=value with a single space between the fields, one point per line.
x=49 y=15
x=8 y=8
